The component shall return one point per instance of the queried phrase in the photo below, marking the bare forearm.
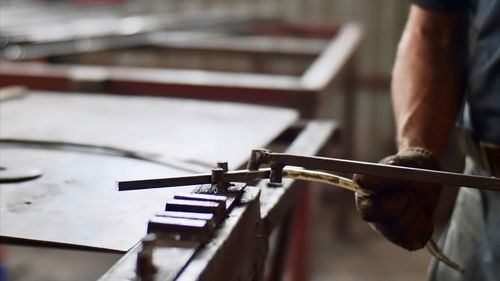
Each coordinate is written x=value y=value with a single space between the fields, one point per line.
x=426 y=90
x=428 y=78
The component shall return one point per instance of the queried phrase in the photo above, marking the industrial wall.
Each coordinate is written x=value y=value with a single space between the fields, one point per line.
x=383 y=22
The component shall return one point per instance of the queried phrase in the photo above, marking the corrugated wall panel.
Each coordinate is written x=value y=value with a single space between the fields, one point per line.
x=383 y=21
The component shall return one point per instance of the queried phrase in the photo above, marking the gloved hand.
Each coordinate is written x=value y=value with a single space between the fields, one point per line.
x=401 y=210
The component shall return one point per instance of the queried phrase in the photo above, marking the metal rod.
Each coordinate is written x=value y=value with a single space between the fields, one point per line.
x=230 y=176
x=382 y=170
x=164 y=182
x=322 y=163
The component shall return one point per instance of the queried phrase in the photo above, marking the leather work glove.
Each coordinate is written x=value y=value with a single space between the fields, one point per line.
x=401 y=210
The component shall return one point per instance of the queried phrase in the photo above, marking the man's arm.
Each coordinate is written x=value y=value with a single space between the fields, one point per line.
x=428 y=78
x=426 y=92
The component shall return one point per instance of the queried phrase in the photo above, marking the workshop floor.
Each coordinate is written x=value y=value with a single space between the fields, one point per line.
x=345 y=248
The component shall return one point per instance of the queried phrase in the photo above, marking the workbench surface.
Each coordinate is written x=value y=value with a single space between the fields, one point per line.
x=78 y=141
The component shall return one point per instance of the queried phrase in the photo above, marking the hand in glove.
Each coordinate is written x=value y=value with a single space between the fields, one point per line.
x=401 y=210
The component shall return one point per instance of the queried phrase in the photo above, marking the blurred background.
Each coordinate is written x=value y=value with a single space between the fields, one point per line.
x=69 y=23
x=210 y=49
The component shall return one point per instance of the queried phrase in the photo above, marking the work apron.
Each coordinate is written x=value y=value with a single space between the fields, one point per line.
x=472 y=238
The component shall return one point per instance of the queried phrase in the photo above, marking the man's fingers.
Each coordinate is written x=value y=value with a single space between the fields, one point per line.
x=411 y=234
x=372 y=183
x=382 y=208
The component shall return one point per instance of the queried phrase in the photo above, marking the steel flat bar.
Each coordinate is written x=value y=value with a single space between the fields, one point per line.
x=164 y=182
x=381 y=170
x=230 y=176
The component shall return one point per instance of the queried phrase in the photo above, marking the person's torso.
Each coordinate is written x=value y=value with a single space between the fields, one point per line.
x=483 y=84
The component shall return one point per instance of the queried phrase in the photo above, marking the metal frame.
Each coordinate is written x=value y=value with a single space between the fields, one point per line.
x=309 y=93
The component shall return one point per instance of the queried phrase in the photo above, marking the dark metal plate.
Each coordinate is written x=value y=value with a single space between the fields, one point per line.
x=76 y=202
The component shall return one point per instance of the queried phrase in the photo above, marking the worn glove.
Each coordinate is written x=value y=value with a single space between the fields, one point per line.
x=401 y=210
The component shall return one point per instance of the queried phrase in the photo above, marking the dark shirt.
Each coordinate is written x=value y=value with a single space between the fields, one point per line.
x=443 y=5
x=483 y=78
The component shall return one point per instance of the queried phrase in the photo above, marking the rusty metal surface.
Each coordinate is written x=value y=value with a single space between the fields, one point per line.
x=75 y=201
x=160 y=129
